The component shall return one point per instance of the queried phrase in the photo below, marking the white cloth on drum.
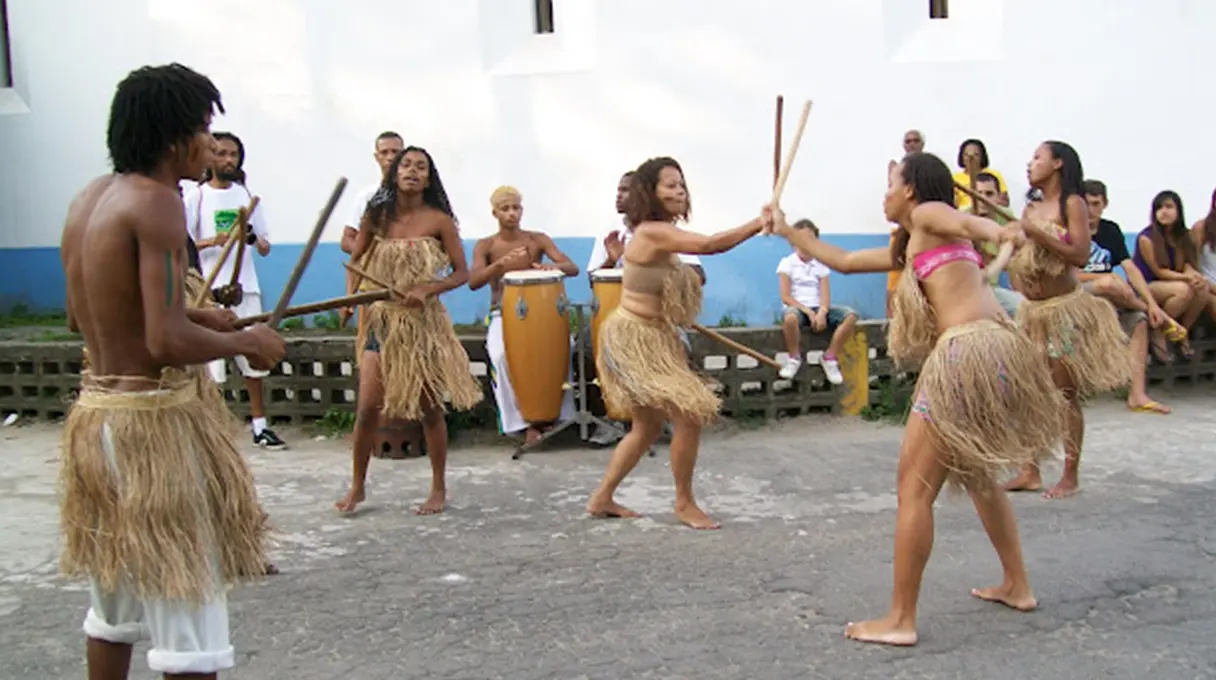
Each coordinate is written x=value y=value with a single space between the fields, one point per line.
x=251 y=305
x=510 y=420
x=187 y=637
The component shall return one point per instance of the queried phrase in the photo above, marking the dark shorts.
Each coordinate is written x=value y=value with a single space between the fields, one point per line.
x=373 y=343
x=836 y=316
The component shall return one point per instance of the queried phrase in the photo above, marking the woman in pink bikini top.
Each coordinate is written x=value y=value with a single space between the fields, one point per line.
x=985 y=401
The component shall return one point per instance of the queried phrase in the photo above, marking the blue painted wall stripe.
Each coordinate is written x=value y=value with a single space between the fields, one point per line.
x=742 y=283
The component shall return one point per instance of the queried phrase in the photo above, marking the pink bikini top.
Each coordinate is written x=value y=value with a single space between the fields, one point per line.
x=929 y=261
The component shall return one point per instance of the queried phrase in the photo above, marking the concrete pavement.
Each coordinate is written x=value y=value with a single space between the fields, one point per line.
x=514 y=583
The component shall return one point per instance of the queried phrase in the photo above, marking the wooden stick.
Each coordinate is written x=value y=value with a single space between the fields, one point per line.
x=242 y=217
x=242 y=233
x=779 y=185
x=362 y=274
x=737 y=346
x=323 y=306
x=976 y=196
x=305 y=256
x=777 y=139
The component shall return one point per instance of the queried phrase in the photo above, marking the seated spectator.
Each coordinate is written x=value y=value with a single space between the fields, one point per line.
x=1204 y=236
x=988 y=186
x=973 y=152
x=807 y=297
x=1166 y=256
x=1131 y=298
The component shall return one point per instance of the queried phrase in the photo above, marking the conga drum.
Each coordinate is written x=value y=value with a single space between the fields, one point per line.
x=605 y=298
x=536 y=332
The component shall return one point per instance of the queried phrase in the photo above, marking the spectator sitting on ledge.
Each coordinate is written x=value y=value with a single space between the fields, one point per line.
x=807 y=300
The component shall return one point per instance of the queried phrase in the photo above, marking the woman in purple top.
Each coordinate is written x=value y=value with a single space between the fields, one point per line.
x=1166 y=255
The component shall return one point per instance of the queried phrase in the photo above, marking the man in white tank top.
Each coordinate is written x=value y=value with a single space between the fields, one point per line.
x=388 y=145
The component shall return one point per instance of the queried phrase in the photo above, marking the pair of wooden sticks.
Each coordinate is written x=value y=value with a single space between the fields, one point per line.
x=281 y=309
x=236 y=234
x=781 y=174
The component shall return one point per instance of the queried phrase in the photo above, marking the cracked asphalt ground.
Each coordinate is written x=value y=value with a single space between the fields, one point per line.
x=513 y=581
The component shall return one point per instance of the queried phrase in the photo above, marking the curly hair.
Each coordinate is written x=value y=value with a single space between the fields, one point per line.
x=643 y=205
x=382 y=207
x=154 y=108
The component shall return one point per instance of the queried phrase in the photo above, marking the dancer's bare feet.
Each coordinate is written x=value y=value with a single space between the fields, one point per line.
x=609 y=509
x=882 y=631
x=351 y=500
x=1019 y=598
x=1064 y=489
x=434 y=504
x=1028 y=480
x=694 y=517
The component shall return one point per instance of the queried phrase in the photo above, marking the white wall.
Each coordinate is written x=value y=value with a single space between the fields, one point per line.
x=309 y=83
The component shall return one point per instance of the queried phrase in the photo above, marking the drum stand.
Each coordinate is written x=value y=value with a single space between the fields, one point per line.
x=582 y=415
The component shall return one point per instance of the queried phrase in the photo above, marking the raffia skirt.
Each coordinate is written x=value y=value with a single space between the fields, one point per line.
x=642 y=363
x=1081 y=331
x=154 y=494
x=988 y=398
x=421 y=358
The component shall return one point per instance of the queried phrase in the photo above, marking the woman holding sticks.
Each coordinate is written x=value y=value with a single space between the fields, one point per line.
x=1086 y=348
x=410 y=359
x=984 y=401
x=641 y=362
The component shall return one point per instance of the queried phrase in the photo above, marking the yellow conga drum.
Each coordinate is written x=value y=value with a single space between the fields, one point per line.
x=605 y=298
x=536 y=333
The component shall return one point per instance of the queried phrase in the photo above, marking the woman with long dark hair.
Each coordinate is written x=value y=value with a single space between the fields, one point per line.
x=1079 y=332
x=410 y=359
x=1168 y=257
x=985 y=401
x=641 y=362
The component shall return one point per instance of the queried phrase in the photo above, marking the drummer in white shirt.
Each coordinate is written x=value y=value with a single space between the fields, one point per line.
x=512 y=249
x=607 y=254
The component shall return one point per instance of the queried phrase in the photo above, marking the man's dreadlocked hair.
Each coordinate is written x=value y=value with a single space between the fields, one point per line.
x=382 y=207
x=154 y=108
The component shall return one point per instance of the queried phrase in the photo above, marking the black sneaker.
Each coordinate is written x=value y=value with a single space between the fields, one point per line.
x=269 y=440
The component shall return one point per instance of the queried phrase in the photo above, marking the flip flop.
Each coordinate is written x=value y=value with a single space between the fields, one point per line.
x=1149 y=407
x=1174 y=332
x=1160 y=354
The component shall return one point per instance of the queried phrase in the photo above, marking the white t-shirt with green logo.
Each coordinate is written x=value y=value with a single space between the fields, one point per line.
x=211 y=211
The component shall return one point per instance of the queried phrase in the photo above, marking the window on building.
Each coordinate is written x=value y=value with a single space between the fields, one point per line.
x=939 y=9
x=6 y=61
x=544 y=15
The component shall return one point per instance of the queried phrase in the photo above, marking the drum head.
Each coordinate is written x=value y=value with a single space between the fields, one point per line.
x=526 y=277
x=607 y=274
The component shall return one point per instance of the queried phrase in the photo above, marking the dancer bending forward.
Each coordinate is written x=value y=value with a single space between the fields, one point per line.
x=641 y=362
x=410 y=358
x=984 y=401
x=1085 y=346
